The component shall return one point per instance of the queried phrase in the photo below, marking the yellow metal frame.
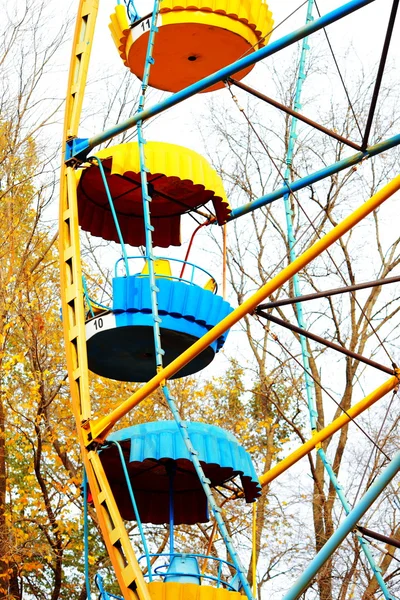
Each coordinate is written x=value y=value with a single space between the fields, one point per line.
x=254 y=549
x=129 y=575
x=81 y=49
x=173 y=590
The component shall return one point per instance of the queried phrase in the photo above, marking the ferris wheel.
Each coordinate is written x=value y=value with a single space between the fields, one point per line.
x=166 y=318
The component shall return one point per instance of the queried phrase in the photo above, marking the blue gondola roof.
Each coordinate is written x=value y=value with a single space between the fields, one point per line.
x=150 y=449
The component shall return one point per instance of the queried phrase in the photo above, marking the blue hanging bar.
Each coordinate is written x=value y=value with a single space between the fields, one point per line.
x=153 y=448
x=313 y=414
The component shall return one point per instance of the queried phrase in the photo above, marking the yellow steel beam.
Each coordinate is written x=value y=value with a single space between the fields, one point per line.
x=254 y=550
x=129 y=575
x=326 y=432
x=79 y=65
x=72 y=298
x=119 y=547
x=70 y=266
x=100 y=427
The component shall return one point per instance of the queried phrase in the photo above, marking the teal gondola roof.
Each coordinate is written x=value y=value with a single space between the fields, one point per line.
x=152 y=450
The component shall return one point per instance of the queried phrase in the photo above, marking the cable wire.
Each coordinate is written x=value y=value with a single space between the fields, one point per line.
x=283 y=347
x=372 y=449
x=340 y=75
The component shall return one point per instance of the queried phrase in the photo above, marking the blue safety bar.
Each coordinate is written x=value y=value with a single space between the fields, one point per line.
x=163 y=572
x=103 y=594
x=133 y=15
x=194 y=270
x=112 y=208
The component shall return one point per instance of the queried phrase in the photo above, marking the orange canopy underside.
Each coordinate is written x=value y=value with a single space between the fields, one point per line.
x=186 y=52
x=171 y=197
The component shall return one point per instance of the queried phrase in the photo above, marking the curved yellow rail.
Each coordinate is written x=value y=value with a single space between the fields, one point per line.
x=129 y=575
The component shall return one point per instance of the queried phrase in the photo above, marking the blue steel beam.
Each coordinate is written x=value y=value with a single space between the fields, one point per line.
x=289 y=224
x=363 y=543
x=344 y=529
x=303 y=182
x=309 y=383
x=78 y=149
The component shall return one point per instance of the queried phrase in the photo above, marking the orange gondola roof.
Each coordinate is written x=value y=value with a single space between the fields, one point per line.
x=195 y=38
x=179 y=180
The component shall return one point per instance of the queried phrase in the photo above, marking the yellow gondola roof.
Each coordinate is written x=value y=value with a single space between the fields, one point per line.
x=254 y=13
x=194 y=39
x=180 y=180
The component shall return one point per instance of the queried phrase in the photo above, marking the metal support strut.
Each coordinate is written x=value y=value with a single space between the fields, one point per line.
x=146 y=197
x=205 y=482
x=310 y=392
x=327 y=343
x=328 y=293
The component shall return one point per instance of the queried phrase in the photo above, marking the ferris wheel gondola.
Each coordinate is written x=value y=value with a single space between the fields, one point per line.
x=194 y=39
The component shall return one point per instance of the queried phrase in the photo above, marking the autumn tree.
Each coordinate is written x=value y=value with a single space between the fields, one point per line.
x=38 y=485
